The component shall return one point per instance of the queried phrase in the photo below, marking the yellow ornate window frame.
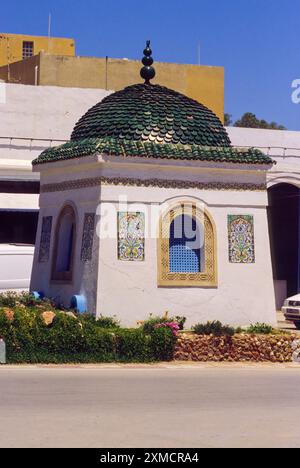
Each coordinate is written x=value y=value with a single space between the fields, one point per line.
x=206 y=279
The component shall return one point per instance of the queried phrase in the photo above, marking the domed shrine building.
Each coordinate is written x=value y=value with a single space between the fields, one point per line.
x=149 y=208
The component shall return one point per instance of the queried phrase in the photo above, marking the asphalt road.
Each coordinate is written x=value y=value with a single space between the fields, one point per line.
x=167 y=406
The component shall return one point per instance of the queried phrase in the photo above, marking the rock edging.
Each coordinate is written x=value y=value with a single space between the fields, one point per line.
x=296 y=351
x=239 y=348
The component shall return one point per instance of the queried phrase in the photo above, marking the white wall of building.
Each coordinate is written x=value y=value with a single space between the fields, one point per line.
x=282 y=145
x=46 y=113
x=29 y=114
x=244 y=294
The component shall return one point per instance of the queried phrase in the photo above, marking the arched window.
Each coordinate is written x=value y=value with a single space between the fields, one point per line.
x=187 y=248
x=186 y=245
x=63 y=257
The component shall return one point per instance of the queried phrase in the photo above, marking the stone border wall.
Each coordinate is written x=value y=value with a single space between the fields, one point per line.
x=243 y=347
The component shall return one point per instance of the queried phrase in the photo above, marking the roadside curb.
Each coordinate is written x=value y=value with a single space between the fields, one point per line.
x=176 y=365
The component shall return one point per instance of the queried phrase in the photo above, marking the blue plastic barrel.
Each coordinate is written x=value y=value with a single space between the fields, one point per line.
x=79 y=304
x=39 y=296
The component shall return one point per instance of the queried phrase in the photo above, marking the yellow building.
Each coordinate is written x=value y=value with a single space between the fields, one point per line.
x=42 y=61
x=205 y=84
x=16 y=47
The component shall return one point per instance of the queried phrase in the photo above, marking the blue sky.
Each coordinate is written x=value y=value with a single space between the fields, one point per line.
x=257 y=41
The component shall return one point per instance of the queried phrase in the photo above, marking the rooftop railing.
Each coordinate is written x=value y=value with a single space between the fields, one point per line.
x=48 y=142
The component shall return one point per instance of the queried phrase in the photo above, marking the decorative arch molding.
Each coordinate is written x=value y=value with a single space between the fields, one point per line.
x=172 y=202
x=64 y=244
x=208 y=278
x=288 y=180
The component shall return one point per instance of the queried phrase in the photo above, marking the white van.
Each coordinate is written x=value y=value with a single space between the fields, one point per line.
x=15 y=266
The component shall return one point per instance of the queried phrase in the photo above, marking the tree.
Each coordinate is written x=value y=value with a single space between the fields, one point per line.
x=249 y=120
x=227 y=120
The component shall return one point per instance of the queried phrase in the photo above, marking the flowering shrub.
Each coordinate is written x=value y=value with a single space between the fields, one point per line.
x=78 y=338
x=174 y=327
x=151 y=324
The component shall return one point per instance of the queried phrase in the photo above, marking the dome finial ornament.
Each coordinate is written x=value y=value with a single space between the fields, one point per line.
x=147 y=72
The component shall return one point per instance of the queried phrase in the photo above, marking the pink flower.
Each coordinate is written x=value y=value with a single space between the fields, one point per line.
x=174 y=327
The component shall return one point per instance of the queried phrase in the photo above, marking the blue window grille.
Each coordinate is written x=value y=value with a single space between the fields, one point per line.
x=186 y=246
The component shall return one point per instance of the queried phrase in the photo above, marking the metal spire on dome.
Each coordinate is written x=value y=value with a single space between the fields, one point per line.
x=147 y=72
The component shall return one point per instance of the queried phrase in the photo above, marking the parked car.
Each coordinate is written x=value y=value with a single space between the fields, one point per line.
x=291 y=310
x=15 y=266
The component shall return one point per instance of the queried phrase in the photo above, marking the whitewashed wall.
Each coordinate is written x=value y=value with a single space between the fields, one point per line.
x=37 y=112
x=282 y=145
x=44 y=111
x=244 y=294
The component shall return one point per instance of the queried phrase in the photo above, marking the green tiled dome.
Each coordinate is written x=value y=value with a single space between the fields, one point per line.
x=151 y=121
x=152 y=113
x=116 y=147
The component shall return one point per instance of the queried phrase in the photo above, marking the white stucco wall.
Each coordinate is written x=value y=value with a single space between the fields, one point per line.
x=85 y=275
x=245 y=293
x=284 y=148
x=48 y=112
x=37 y=112
x=282 y=145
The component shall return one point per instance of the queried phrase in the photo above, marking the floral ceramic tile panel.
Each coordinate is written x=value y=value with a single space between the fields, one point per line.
x=131 y=237
x=241 y=239
x=44 y=252
x=88 y=237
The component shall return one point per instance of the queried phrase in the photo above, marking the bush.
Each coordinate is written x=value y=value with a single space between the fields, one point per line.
x=8 y=299
x=22 y=332
x=133 y=345
x=162 y=344
x=150 y=325
x=107 y=322
x=215 y=328
x=66 y=335
x=260 y=329
x=81 y=339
